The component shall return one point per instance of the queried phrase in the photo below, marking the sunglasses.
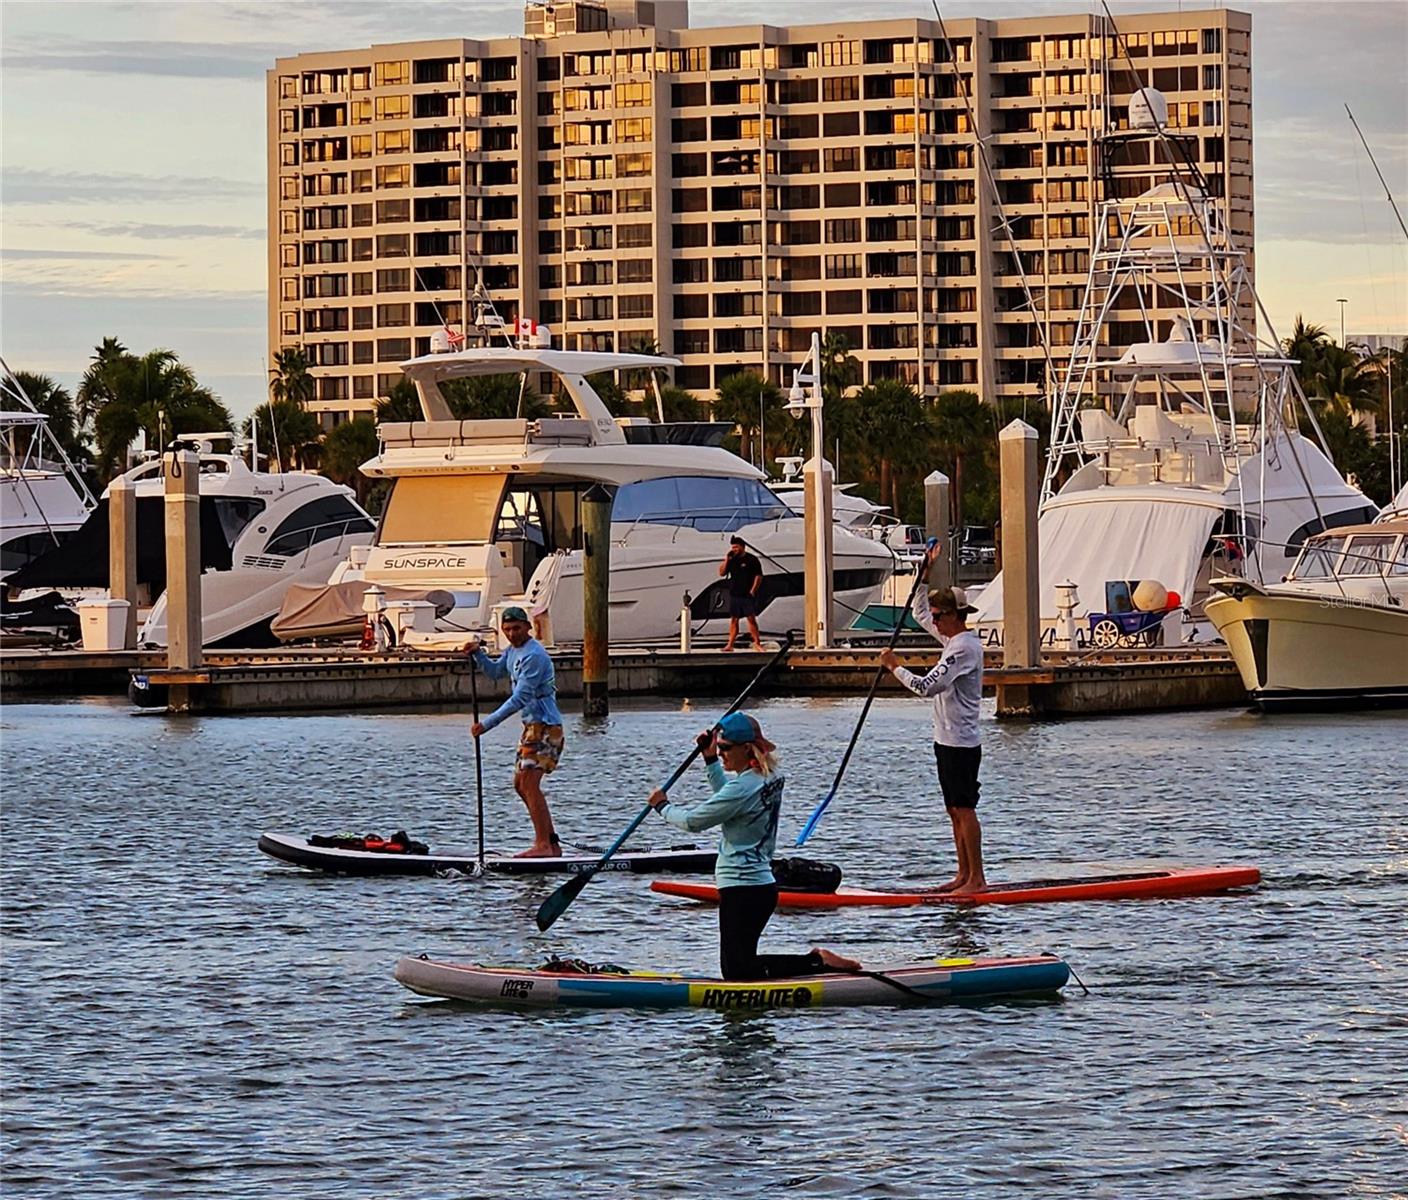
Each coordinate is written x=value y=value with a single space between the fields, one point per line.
x=725 y=745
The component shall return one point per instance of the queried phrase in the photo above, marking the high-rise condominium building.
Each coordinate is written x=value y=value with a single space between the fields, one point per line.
x=722 y=193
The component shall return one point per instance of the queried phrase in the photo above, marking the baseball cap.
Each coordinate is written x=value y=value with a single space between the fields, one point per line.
x=740 y=727
x=953 y=599
x=514 y=613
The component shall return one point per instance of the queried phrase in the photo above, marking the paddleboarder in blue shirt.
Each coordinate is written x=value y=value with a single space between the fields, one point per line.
x=745 y=805
x=534 y=694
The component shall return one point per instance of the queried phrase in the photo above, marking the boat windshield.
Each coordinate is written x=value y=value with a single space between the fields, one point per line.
x=1369 y=554
x=1317 y=561
x=441 y=509
x=713 y=504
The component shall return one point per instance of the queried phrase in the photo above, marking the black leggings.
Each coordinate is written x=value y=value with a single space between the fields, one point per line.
x=743 y=913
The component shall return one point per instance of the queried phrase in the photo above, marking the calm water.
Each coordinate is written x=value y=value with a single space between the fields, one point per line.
x=185 y=1018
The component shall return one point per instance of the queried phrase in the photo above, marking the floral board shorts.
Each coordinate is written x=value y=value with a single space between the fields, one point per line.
x=540 y=747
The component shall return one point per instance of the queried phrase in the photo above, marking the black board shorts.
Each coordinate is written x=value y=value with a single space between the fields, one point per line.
x=958 y=774
x=742 y=606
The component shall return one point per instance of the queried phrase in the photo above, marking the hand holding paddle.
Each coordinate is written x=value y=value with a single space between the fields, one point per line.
x=556 y=904
x=920 y=575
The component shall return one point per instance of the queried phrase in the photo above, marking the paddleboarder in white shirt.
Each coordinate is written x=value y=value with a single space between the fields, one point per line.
x=956 y=687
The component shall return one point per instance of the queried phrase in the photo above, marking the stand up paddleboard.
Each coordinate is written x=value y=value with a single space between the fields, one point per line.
x=945 y=981
x=300 y=852
x=1134 y=885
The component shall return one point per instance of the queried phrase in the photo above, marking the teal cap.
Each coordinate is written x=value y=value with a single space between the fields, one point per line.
x=514 y=613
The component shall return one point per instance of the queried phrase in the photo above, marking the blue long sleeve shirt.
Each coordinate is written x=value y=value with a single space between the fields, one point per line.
x=534 y=683
x=745 y=807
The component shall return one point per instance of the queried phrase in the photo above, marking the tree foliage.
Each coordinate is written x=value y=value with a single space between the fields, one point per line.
x=54 y=401
x=345 y=448
x=288 y=434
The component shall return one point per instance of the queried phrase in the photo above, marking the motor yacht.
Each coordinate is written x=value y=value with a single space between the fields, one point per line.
x=260 y=533
x=1179 y=457
x=489 y=512
x=1335 y=630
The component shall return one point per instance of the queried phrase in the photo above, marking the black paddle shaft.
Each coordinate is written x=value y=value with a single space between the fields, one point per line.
x=478 y=755
x=556 y=904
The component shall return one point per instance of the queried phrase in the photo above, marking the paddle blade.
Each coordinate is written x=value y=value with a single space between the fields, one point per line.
x=814 y=820
x=556 y=904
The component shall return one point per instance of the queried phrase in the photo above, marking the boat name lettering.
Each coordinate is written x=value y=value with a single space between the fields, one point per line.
x=761 y=997
x=516 y=989
x=422 y=561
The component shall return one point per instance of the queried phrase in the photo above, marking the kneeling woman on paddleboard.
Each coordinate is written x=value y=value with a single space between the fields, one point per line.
x=745 y=805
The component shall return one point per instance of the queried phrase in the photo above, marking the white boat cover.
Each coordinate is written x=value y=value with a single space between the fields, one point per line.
x=1124 y=537
x=313 y=610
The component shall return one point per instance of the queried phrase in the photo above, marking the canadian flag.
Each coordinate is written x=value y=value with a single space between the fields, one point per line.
x=526 y=327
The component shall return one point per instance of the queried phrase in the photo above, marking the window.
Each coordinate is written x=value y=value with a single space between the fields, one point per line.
x=634 y=308
x=691 y=270
x=840 y=53
x=840 y=88
x=1368 y=554
x=1212 y=41
x=711 y=504
x=441 y=509
x=393 y=108
x=635 y=270
x=843 y=230
x=389 y=74
x=635 y=236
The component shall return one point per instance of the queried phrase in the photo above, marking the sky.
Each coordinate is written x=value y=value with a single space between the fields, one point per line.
x=132 y=159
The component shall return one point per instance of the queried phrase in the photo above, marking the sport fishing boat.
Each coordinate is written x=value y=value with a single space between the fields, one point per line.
x=489 y=511
x=1179 y=457
x=260 y=533
x=42 y=496
x=1335 y=630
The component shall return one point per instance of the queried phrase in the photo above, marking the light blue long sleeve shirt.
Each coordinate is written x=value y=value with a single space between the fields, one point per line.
x=955 y=684
x=534 y=683
x=745 y=807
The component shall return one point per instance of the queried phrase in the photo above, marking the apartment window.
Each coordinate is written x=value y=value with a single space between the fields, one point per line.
x=362 y=250
x=633 y=200
x=393 y=349
x=692 y=270
x=288 y=289
x=288 y=323
x=393 y=108
x=688 y=95
x=737 y=270
x=500 y=139
x=288 y=188
x=840 y=54
x=590 y=308
x=803 y=267
x=695 y=58
x=393 y=177
x=1212 y=41
x=796 y=91
x=797 y=197
x=550 y=277
x=288 y=87
x=738 y=233
x=633 y=95
x=634 y=237
x=396 y=279
x=635 y=270
x=841 y=158
x=842 y=195
x=393 y=141
x=499 y=70
x=845 y=229
x=550 y=241
x=584 y=204
x=633 y=129
x=636 y=307
x=633 y=164
x=392 y=211
x=363 y=353
x=288 y=255
x=692 y=341
x=1212 y=77
x=590 y=237
x=361 y=145
x=683 y=236
x=590 y=274
x=843 y=266
x=392 y=316
x=389 y=74
x=362 y=285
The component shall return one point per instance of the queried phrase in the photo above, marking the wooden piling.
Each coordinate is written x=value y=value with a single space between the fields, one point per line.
x=596 y=601
x=817 y=516
x=1021 y=577
x=936 y=525
x=183 y=609
x=122 y=553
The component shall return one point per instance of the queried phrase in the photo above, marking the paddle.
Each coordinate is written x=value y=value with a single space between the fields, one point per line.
x=810 y=827
x=478 y=756
x=556 y=904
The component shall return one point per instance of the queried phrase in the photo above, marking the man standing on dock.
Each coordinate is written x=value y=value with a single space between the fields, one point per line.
x=956 y=687
x=745 y=577
x=530 y=667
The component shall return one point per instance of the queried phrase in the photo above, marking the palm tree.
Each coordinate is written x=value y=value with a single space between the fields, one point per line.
x=959 y=421
x=155 y=394
x=1306 y=345
x=679 y=404
x=288 y=428
x=289 y=378
x=345 y=448
x=401 y=403
x=1344 y=382
x=745 y=399
x=54 y=402
x=485 y=397
x=892 y=419
x=95 y=388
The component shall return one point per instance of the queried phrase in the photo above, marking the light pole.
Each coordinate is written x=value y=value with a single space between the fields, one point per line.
x=805 y=395
x=1342 y=301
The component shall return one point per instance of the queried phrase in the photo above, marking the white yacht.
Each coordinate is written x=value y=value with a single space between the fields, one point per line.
x=42 y=497
x=489 y=511
x=1335 y=631
x=1180 y=458
x=260 y=533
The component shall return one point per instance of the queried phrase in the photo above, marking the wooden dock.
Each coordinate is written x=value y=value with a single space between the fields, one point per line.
x=1064 y=685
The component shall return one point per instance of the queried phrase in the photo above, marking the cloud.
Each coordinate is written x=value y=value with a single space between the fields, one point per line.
x=30 y=185
x=137 y=229
x=42 y=255
x=191 y=60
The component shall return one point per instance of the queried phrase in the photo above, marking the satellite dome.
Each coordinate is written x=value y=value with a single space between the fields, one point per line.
x=1148 y=109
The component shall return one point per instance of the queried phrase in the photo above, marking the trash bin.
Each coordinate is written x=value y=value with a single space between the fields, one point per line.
x=104 y=624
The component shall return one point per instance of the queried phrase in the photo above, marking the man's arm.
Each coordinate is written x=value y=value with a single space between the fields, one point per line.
x=948 y=671
x=494 y=668
x=757 y=579
x=919 y=610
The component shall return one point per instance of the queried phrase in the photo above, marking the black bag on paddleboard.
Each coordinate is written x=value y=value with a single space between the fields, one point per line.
x=399 y=842
x=805 y=875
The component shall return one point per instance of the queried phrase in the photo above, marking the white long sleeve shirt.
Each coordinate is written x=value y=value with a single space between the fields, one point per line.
x=955 y=684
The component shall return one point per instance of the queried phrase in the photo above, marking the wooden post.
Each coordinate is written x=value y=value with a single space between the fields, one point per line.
x=122 y=552
x=1021 y=573
x=936 y=525
x=817 y=516
x=183 y=609
x=596 y=600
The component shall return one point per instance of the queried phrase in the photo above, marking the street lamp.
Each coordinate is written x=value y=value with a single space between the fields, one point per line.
x=1342 y=301
x=805 y=395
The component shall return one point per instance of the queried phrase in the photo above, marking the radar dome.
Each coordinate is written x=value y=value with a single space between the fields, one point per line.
x=1148 y=109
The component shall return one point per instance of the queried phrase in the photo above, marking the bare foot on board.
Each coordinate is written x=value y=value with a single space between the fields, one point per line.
x=950 y=886
x=537 y=850
x=970 y=886
x=836 y=962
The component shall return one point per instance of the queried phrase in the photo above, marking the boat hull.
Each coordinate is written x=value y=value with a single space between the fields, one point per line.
x=1134 y=885
x=299 y=852
x=1314 y=650
x=948 y=981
